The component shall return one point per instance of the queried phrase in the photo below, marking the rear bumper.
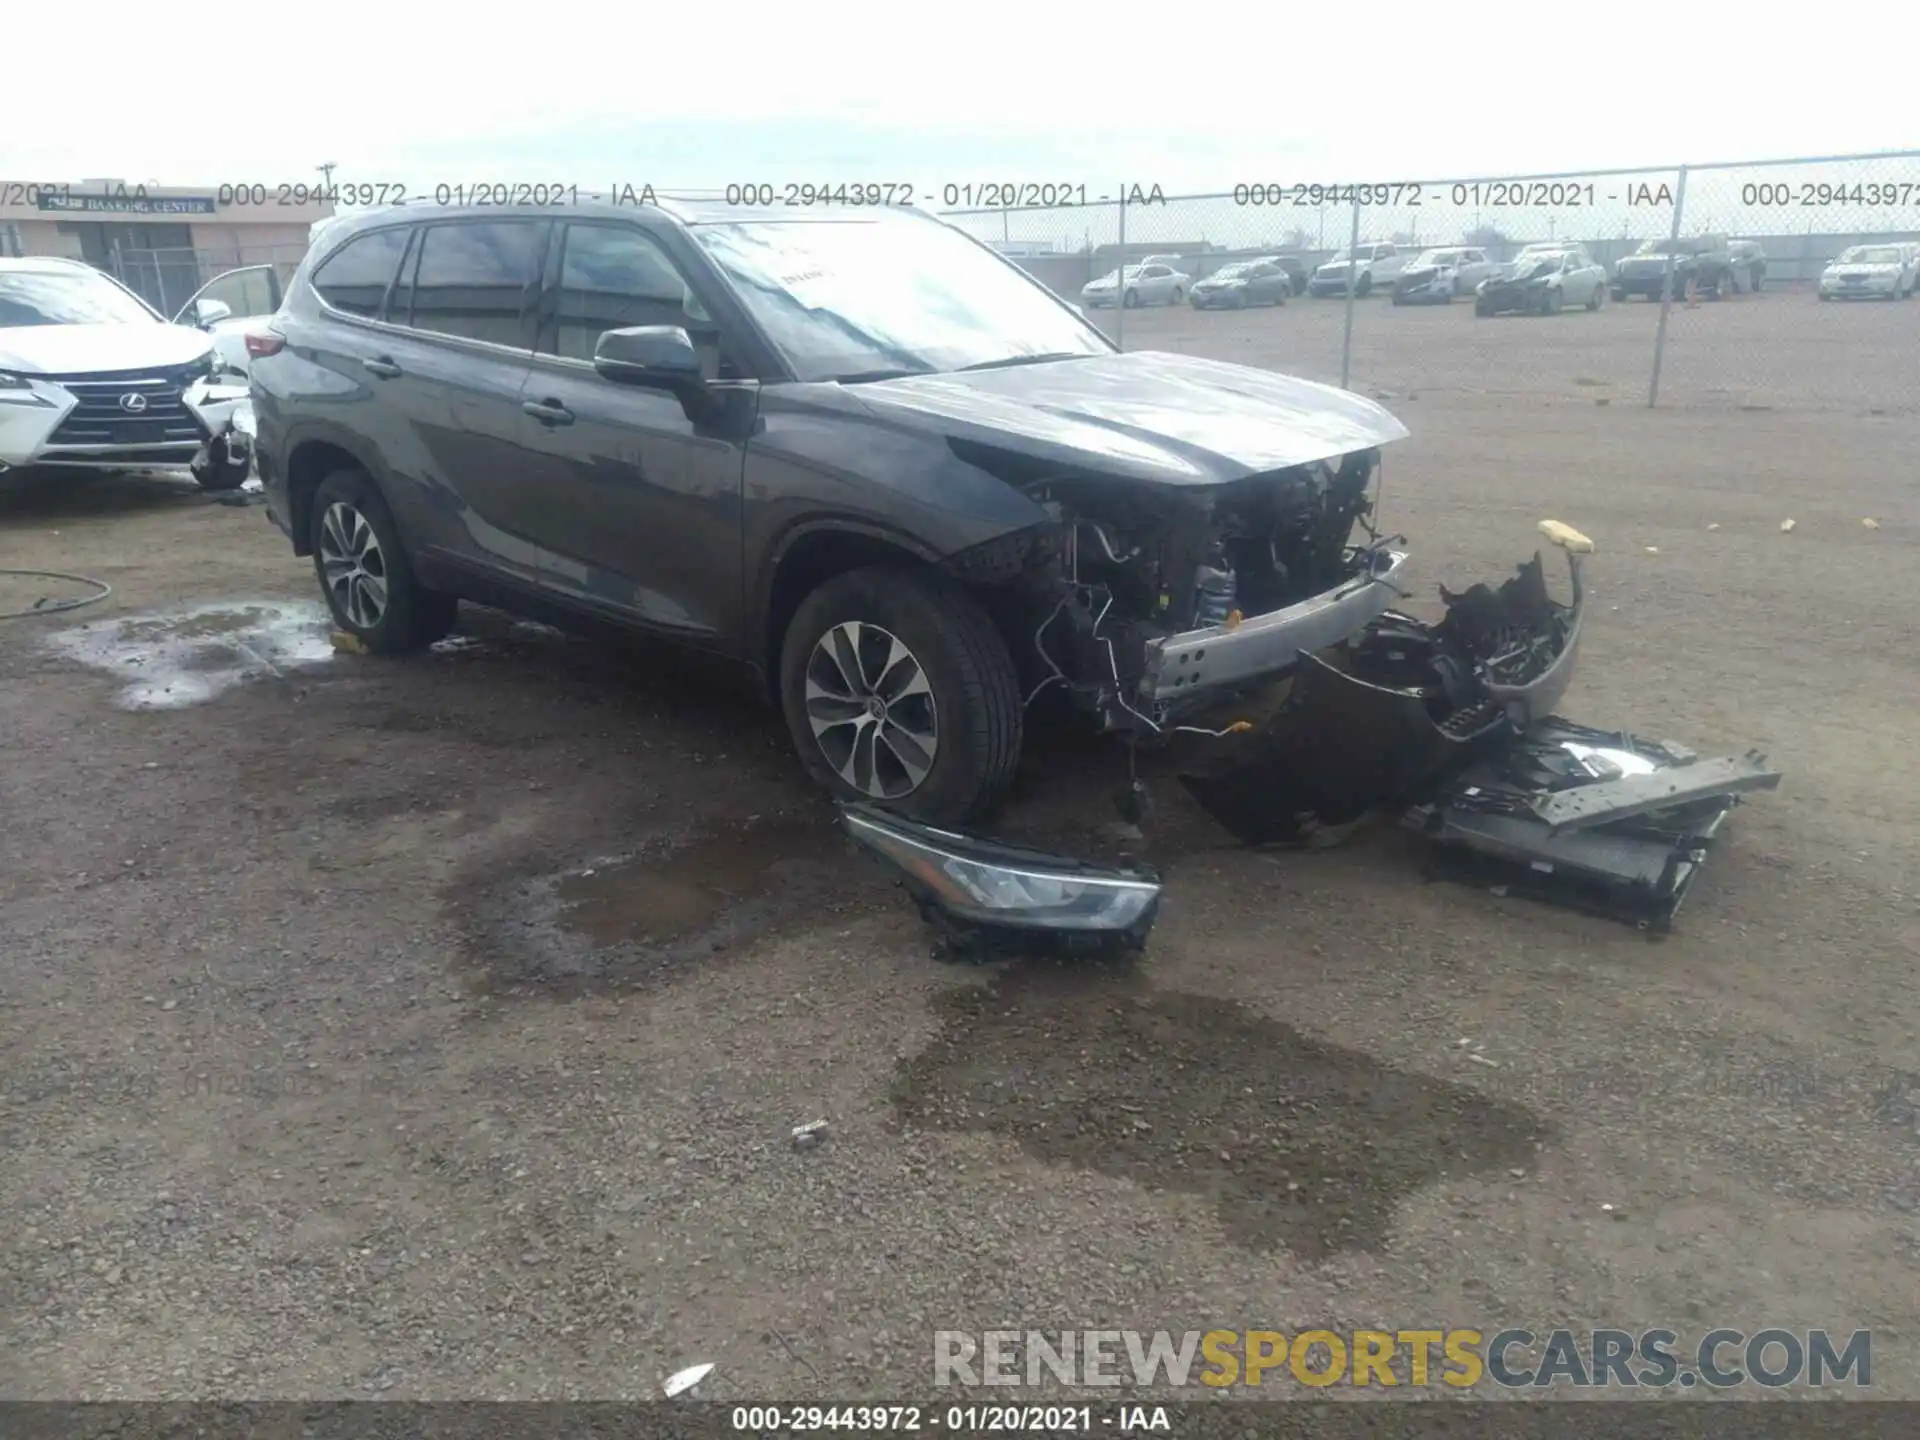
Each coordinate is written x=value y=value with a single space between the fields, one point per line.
x=1207 y=662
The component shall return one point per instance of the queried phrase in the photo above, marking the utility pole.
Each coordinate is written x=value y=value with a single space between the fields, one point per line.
x=326 y=175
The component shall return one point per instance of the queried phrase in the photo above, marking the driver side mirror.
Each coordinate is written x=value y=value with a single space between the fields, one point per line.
x=210 y=312
x=660 y=356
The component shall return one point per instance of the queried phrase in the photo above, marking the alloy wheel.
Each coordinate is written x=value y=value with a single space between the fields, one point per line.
x=354 y=567
x=872 y=710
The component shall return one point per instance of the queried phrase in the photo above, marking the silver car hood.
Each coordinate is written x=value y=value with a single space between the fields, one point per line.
x=83 y=349
x=1170 y=419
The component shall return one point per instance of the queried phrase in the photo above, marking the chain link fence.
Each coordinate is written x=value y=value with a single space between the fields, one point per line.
x=168 y=278
x=1694 y=285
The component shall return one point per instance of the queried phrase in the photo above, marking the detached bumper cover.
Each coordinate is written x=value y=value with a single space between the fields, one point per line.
x=1401 y=706
x=980 y=894
x=1216 y=658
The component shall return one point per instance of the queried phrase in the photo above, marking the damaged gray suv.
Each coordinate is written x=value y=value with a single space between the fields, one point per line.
x=858 y=453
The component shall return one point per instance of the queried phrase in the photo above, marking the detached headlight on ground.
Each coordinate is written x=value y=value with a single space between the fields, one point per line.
x=977 y=889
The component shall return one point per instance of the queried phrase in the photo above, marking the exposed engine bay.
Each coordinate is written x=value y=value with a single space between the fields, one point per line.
x=1142 y=581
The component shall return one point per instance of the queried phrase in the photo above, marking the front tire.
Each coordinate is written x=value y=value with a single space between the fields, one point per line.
x=898 y=691
x=1362 y=287
x=1132 y=302
x=365 y=573
x=1597 y=298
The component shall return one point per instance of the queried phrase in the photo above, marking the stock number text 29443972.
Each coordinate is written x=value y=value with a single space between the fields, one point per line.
x=256 y=194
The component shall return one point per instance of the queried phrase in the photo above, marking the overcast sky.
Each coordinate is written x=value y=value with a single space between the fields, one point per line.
x=1189 y=97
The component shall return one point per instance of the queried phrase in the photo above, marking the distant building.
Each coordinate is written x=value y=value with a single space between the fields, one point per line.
x=162 y=240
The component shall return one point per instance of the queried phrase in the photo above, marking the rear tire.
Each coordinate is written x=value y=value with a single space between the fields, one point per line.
x=969 y=705
x=365 y=573
x=1482 y=309
x=1619 y=295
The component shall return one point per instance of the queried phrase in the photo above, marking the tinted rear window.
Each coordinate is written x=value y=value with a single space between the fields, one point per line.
x=355 y=277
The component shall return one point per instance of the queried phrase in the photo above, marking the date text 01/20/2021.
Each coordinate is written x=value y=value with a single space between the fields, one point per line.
x=953 y=1419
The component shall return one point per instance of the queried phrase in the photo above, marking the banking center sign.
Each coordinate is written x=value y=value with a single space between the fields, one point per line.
x=125 y=203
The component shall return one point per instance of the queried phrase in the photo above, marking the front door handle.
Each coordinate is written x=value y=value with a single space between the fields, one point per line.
x=548 y=412
x=381 y=366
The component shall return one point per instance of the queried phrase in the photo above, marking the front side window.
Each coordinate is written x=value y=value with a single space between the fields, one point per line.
x=67 y=297
x=614 y=277
x=473 y=279
x=891 y=294
x=356 y=276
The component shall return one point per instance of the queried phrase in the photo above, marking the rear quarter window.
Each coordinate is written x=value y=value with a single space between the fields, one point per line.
x=356 y=276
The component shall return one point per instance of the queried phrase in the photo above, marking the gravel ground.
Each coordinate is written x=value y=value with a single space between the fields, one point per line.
x=434 y=1029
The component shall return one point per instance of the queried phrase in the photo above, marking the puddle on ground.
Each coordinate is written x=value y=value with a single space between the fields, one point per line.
x=677 y=898
x=1297 y=1142
x=685 y=889
x=171 y=659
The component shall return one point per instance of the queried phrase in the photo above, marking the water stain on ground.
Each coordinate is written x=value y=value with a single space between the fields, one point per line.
x=685 y=890
x=167 y=660
x=677 y=898
x=1297 y=1142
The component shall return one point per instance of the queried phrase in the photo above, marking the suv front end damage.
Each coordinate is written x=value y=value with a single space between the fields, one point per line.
x=1149 y=604
x=1400 y=705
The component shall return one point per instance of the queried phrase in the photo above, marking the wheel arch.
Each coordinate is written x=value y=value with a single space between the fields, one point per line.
x=809 y=555
x=310 y=459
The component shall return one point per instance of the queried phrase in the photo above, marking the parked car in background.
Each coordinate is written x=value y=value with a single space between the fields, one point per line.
x=1700 y=261
x=1299 y=272
x=92 y=377
x=230 y=305
x=1436 y=276
x=1234 y=287
x=878 y=466
x=1543 y=283
x=1877 y=272
x=1749 y=259
x=1148 y=283
x=1370 y=263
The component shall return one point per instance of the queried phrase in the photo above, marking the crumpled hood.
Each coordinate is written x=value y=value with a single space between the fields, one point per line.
x=79 y=349
x=1172 y=419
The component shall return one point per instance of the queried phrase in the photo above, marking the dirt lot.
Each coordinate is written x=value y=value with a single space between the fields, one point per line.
x=435 y=1028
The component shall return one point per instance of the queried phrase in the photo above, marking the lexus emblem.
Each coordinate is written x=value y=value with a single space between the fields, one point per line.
x=133 y=402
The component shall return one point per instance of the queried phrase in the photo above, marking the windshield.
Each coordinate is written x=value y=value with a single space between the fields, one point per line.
x=60 y=297
x=1537 y=263
x=1434 y=259
x=1871 y=255
x=1232 y=272
x=855 y=297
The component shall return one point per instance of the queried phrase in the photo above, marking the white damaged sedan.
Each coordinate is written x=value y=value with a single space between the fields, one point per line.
x=92 y=377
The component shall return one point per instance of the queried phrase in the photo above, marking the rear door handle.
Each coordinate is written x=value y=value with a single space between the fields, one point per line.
x=548 y=412
x=381 y=366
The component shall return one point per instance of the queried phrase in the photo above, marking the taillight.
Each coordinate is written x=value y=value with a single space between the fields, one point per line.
x=264 y=342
